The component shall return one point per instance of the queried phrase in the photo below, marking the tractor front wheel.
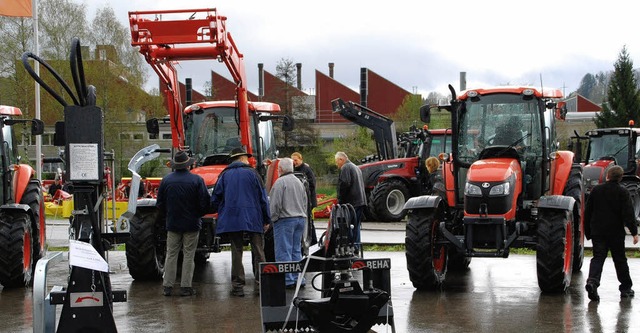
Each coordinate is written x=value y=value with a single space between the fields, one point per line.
x=633 y=186
x=147 y=246
x=33 y=197
x=426 y=259
x=16 y=249
x=554 y=255
x=388 y=199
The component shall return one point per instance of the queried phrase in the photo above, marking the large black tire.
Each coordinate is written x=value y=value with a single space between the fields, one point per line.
x=633 y=186
x=147 y=247
x=573 y=188
x=554 y=254
x=16 y=249
x=33 y=197
x=388 y=199
x=427 y=264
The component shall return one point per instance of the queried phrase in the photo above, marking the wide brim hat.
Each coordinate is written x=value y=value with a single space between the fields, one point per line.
x=237 y=152
x=181 y=161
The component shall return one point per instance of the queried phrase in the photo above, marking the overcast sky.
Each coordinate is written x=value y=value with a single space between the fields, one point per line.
x=422 y=46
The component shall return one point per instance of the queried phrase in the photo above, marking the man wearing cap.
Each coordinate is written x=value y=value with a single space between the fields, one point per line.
x=183 y=199
x=240 y=200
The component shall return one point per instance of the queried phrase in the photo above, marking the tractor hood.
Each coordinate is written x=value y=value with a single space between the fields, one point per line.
x=493 y=170
x=594 y=173
x=209 y=173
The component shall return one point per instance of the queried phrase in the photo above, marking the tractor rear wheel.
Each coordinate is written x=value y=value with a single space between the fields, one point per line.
x=146 y=247
x=633 y=186
x=16 y=249
x=426 y=260
x=388 y=199
x=33 y=197
x=573 y=188
x=554 y=254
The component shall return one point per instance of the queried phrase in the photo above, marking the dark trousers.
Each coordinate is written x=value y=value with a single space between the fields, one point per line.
x=601 y=246
x=257 y=256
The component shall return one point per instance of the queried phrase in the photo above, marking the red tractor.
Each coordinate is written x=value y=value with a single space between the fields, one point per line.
x=22 y=220
x=393 y=175
x=507 y=186
x=207 y=130
x=608 y=147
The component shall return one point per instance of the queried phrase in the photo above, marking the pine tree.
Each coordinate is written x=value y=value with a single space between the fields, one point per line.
x=623 y=95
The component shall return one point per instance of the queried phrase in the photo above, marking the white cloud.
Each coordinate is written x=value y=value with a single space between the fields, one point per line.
x=421 y=45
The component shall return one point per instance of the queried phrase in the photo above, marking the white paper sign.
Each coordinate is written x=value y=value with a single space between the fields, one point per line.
x=82 y=254
x=84 y=161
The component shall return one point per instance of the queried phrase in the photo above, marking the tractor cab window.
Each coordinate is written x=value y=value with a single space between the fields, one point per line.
x=614 y=147
x=499 y=120
x=267 y=140
x=213 y=131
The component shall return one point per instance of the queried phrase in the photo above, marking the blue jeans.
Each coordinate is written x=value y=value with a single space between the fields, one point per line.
x=287 y=238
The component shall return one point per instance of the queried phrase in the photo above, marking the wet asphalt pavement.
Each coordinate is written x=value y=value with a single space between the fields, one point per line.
x=494 y=295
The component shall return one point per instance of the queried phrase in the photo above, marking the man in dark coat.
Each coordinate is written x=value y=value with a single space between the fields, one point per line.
x=241 y=202
x=608 y=211
x=351 y=190
x=304 y=168
x=183 y=198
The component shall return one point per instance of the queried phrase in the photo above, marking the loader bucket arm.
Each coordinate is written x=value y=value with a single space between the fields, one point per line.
x=199 y=34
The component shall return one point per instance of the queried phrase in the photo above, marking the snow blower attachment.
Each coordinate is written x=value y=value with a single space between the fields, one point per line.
x=355 y=293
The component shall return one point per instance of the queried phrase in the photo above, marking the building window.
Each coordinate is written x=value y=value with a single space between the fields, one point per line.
x=137 y=136
x=166 y=136
x=125 y=136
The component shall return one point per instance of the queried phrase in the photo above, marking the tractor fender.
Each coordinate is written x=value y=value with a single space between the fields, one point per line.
x=21 y=177
x=388 y=177
x=560 y=169
x=18 y=207
x=556 y=202
x=630 y=178
x=423 y=201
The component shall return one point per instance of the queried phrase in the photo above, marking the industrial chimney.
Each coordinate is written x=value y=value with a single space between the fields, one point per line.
x=299 y=75
x=260 y=80
x=363 y=86
x=463 y=81
x=188 y=88
x=331 y=70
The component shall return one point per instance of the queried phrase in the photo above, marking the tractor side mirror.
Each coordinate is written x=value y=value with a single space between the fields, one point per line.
x=153 y=127
x=287 y=124
x=37 y=127
x=59 y=139
x=425 y=113
x=561 y=110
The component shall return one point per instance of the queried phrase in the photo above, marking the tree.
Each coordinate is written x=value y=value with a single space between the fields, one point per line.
x=623 y=95
x=408 y=113
x=296 y=104
x=587 y=85
x=357 y=145
x=17 y=38
x=59 y=22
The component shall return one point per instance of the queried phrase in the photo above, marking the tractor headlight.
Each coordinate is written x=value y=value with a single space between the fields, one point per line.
x=500 y=189
x=472 y=190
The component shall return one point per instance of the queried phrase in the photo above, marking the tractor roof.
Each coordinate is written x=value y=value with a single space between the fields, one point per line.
x=612 y=130
x=545 y=93
x=253 y=106
x=6 y=110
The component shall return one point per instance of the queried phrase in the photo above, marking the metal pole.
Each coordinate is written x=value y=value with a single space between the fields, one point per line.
x=37 y=91
x=40 y=318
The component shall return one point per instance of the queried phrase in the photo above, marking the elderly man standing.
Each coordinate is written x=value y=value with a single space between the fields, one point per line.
x=183 y=199
x=240 y=200
x=351 y=190
x=288 y=205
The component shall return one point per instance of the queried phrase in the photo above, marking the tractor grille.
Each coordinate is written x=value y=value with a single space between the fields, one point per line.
x=495 y=205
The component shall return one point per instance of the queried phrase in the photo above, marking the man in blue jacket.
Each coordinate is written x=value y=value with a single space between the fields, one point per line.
x=240 y=200
x=183 y=199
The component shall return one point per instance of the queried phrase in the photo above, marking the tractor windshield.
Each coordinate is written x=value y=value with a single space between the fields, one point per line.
x=213 y=131
x=609 y=146
x=499 y=120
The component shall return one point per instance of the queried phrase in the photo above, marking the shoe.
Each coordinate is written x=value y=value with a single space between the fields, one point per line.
x=627 y=293
x=238 y=292
x=592 y=291
x=167 y=291
x=187 y=291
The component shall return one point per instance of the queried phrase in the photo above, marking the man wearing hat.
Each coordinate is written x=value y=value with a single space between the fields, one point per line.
x=183 y=198
x=240 y=200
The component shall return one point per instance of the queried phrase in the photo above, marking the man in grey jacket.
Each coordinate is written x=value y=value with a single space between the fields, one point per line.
x=288 y=206
x=351 y=190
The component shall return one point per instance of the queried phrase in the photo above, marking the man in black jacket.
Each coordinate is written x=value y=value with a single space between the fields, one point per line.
x=608 y=211
x=183 y=198
x=351 y=191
